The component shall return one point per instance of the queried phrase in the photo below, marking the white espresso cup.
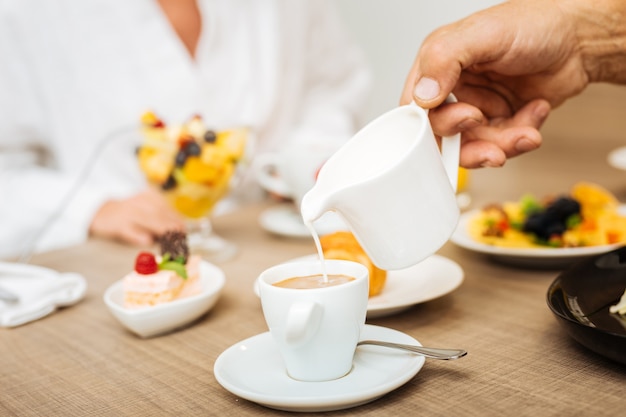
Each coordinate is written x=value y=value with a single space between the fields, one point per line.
x=316 y=329
x=393 y=187
x=291 y=171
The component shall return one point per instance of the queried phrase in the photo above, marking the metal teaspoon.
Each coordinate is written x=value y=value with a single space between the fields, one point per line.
x=429 y=352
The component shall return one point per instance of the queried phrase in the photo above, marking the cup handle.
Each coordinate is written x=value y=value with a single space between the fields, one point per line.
x=303 y=319
x=264 y=167
x=451 y=152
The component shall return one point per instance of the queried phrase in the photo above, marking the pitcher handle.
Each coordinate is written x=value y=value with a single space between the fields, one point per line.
x=451 y=150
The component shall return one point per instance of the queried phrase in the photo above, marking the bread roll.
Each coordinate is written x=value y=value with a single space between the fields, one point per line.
x=343 y=245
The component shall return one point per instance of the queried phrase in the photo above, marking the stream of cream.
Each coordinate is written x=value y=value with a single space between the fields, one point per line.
x=318 y=245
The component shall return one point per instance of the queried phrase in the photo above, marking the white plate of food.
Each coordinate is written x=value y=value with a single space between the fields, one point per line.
x=432 y=278
x=547 y=257
x=548 y=232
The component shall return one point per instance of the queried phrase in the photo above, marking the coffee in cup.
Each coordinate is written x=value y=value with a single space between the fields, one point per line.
x=316 y=329
x=313 y=281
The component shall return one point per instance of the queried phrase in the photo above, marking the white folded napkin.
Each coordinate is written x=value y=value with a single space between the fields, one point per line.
x=40 y=291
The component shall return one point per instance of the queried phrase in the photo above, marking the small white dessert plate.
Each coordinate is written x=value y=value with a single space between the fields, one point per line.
x=285 y=220
x=432 y=278
x=163 y=318
x=525 y=257
x=253 y=369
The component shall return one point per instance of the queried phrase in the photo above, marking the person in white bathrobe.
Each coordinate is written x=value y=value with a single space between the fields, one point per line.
x=73 y=73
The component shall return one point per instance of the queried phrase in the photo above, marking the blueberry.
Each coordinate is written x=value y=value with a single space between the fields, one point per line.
x=192 y=149
x=169 y=183
x=210 y=136
x=181 y=157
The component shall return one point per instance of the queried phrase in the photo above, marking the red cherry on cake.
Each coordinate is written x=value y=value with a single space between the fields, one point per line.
x=146 y=264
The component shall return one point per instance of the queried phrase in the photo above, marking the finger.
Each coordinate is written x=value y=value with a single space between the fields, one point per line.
x=487 y=145
x=432 y=77
x=519 y=134
x=533 y=114
x=433 y=74
x=452 y=118
x=143 y=229
x=481 y=154
x=511 y=142
x=491 y=102
x=136 y=235
x=451 y=49
x=152 y=207
x=158 y=223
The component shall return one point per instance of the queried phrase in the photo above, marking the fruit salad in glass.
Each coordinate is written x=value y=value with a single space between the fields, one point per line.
x=195 y=167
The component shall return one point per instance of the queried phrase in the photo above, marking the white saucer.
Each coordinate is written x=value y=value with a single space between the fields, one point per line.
x=617 y=158
x=432 y=278
x=285 y=220
x=254 y=370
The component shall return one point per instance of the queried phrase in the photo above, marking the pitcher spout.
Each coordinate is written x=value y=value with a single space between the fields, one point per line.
x=313 y=206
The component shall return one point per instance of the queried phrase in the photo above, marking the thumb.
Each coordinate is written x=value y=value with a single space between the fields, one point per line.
x=447 y=51
x=428 y=92
x=434 y=74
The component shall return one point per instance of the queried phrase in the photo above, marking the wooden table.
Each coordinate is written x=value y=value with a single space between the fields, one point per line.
x=79 y=361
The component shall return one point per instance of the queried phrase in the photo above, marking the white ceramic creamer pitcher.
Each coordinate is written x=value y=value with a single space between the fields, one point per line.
x=393 y=187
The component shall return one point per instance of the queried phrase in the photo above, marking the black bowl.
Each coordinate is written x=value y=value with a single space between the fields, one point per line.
x=580 y=298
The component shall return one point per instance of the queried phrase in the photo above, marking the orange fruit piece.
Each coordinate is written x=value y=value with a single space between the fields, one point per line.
x=594 y=199
x=233 y=141
x=156 y=165
x=197 y=171
x=192 y=200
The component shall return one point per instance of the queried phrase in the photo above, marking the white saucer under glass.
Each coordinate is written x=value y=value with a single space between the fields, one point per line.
x=617 y=158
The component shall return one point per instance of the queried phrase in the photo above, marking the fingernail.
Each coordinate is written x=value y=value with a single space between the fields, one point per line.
x=426 y=89
x=468 y=124
x=541 y=112
x=488 y=164
x=525 y=145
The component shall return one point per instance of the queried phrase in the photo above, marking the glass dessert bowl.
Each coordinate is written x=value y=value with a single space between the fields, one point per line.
x=195 y=167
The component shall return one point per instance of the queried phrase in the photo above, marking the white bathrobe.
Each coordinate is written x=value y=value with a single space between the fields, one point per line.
x=74 y=72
